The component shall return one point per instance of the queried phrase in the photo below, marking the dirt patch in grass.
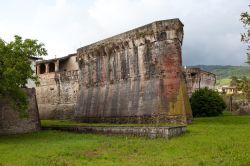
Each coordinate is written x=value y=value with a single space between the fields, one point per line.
x=91 y=153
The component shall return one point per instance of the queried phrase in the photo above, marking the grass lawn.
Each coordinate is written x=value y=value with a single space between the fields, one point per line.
x=223 y=140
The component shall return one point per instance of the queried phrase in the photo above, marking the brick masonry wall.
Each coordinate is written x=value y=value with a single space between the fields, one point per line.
x=10 y=121
x=134 y=77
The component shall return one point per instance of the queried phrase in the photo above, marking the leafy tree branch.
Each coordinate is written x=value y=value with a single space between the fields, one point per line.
x=15 y=68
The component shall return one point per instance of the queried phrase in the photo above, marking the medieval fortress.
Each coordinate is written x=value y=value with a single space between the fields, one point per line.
x=133 y=77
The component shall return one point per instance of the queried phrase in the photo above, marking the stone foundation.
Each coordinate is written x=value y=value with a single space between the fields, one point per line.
x=151 y=132
x=138 y=119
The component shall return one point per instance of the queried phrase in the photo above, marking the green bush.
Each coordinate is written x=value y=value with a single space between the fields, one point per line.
x=206 y=102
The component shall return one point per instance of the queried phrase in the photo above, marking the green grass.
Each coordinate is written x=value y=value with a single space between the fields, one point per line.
x=223 y=140
x=224 y=81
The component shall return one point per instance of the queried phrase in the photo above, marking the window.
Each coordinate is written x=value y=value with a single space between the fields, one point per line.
x=51 y=67
x=42 y=68
x=193 y=74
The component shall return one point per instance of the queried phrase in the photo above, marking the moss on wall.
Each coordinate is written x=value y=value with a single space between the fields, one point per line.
x=181 y=106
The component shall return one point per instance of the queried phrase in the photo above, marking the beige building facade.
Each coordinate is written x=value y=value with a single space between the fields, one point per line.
x=58 y=88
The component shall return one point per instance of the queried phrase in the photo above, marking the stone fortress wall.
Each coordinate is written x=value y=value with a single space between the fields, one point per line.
x=133 y=77
x=10 y=120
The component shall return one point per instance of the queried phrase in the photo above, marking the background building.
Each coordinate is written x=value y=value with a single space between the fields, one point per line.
x=197 y=78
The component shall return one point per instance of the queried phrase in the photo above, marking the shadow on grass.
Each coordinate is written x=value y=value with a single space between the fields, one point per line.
x=50 y=136
x=39 y=136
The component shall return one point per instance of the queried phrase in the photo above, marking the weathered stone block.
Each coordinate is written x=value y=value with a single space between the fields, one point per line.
x=10 y=120
x=146 y=131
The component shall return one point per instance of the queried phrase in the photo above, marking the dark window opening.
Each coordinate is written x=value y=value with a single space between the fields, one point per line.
x=63 y=65
x=51 y=67
x=162 y=36
x=193 y=74
x=42 y=68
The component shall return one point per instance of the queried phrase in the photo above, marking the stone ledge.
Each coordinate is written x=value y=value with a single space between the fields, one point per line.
x=151 y=132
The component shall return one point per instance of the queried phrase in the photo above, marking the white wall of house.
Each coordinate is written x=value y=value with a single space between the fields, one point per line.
x=31 y=83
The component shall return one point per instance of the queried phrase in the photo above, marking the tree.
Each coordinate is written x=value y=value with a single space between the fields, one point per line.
x=245 y=37
x=235 y=81
x=244 y=86
x=15 y=68
x=206 y=102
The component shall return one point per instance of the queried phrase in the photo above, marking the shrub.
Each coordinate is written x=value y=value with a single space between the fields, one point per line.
x=206 y=102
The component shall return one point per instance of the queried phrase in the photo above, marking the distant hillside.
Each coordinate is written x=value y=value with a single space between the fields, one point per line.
x=224 y=73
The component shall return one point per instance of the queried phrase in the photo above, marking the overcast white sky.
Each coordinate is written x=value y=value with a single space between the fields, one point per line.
x=212 y=27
